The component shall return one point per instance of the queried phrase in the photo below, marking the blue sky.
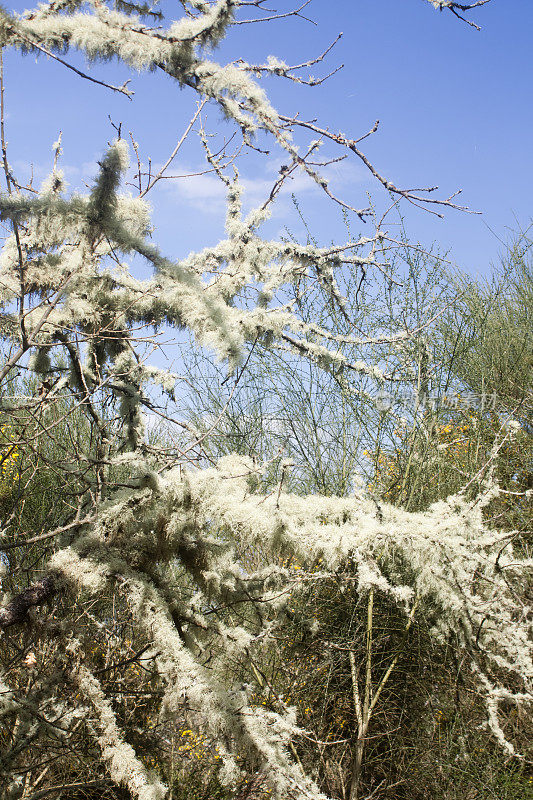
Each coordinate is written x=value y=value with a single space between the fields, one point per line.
x=454 y=106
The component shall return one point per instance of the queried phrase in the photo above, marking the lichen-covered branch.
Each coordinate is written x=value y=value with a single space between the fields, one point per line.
x=151 y=539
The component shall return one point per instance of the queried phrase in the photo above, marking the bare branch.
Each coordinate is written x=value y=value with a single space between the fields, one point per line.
x=294 y=13
x=450 y=5
x=351 y=144
x=120 y=89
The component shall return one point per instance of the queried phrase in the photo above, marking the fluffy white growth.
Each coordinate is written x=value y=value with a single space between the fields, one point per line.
x=68 y=267
x=194 y=514
x=82 y=573
x=124 y=766
x=171 y=516
x=6 y=698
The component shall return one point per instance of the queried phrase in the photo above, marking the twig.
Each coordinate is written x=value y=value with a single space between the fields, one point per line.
x=172 y=156
x=295 y=13
x=120 y=89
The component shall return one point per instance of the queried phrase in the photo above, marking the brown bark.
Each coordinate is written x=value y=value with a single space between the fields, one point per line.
x=16 y=610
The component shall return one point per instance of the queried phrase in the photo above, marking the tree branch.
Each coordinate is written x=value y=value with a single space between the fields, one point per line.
x=16 y=611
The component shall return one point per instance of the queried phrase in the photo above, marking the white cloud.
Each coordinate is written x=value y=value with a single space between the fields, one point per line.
x=207 y=193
